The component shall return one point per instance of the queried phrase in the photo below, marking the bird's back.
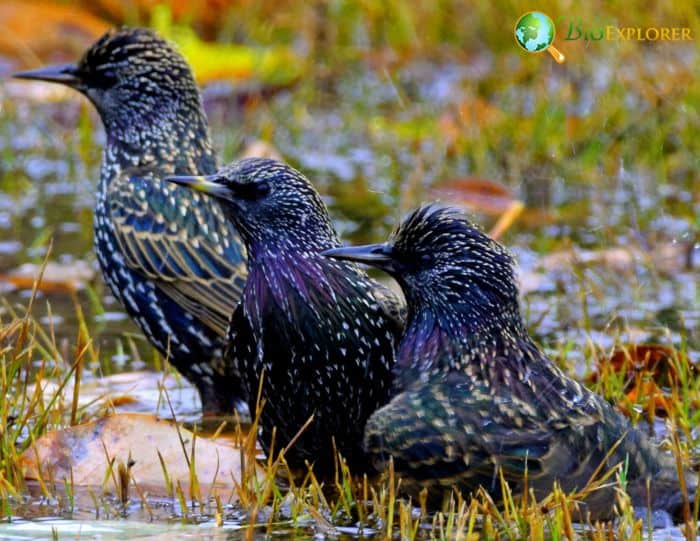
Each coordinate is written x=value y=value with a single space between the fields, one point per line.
x=457 y=429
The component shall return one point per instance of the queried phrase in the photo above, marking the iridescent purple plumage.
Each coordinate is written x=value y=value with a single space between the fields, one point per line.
x=320 y=330
x=476 y=400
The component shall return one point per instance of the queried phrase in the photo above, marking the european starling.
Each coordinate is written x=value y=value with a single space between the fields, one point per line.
x=318 y=331
x=473 y=392
x=169 y=255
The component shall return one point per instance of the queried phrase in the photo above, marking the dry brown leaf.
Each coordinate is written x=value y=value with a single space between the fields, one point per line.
x=84 y=452
x=477 y=194
x=650 y=372
x=653 y=359
x=484 y=196
x=652 y=397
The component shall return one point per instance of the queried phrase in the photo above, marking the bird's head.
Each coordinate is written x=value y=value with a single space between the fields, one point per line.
x=270 y=203
x=445 y=264
x=132 y=75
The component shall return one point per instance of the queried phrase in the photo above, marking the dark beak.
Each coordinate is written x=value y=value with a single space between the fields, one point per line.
x=377 y=255
x=210 y=184
x=65 y=74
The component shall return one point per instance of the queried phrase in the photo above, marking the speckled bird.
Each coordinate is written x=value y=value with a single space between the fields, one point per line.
x=168 y=254
x=320 y=331
x=473 y=392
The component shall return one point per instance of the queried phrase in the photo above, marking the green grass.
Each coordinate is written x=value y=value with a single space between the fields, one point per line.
x=601 y=149
x=373 y=505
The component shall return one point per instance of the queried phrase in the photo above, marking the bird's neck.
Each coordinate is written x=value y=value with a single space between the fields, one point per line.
x=282 y=281
x=172 y=139
x=490 y=346
x=304 y=240
x=446 y=336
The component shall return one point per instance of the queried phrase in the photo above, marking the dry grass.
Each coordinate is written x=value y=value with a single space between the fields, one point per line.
x=278 y=499
x=521 y=122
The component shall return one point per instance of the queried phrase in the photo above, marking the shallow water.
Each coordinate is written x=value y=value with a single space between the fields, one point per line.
x=51 y=157
x=367 y=140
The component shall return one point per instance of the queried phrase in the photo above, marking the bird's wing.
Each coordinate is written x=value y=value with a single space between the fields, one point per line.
x=457 y=433
x=181 y=241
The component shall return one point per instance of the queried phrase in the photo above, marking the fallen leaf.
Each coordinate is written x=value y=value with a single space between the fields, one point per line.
x=484 y=196
x=56 y=278
x=654 y=359
x=84 y=454
x=650 y=372
x=477 y=194
x=652 y=397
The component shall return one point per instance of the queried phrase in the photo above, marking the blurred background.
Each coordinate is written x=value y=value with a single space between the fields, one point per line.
x=588 y=170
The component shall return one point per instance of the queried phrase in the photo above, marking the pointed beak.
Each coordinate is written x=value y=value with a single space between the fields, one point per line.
x=210 y=184
x=65 y=74
x=377 y=255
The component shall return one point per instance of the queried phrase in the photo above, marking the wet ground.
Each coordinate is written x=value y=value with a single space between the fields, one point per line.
x=376 y=142
x=635 y=236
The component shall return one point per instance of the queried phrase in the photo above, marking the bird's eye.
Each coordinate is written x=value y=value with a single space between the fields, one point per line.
x=262 y=188
x=426 y=259
x=252 y=191
x=104 y=78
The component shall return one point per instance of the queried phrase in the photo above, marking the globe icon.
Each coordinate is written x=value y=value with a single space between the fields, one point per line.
x=534 y=32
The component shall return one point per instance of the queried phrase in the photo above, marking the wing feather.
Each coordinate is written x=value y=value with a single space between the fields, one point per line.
x=441 y=437
x=181 y=241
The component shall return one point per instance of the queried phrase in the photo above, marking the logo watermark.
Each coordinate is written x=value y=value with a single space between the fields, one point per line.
x=576 y=29
x=535 y=31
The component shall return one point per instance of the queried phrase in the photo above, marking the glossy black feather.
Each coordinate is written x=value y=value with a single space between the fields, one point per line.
x=168 y=255
x=473 y=393
x=320 y=331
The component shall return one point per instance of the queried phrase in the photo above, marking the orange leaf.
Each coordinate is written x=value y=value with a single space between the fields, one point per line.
x=477 y=194
x=37 y=32
x=646 y=391
x=654 y=359
x=56 y=277
x=650 y=373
